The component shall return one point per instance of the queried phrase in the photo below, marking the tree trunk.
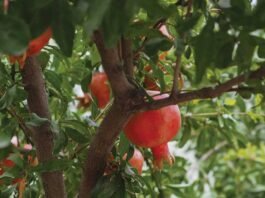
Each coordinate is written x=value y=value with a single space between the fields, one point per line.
x=42 y=135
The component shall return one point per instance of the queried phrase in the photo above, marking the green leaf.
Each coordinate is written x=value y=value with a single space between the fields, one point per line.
x=8 y=98
x=245 y=52
x=204 y=50
x=43 y=59
x=54 y=78
x=257 y=189
x=186 y=133
x=201 y=141
x=117 y=20
x=63 y=27
x=35 y=120
x=261 y=51
x=16 y=158
x=224 y=48
x=85 y=81
x=5 y=139
x=60 y=141
x=108 y=186
x=94 y=11
x=188 y=23
x=53 y=165
x=75 y=124
x=76 y=135
x=154 y=9
x=124 y=144
x=14 y=35
x=153 y=45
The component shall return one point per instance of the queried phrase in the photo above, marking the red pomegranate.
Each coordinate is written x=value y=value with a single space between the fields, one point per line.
x=8 y=163
x=38 y=43
x=136 y=161
x=100 y=89
x=34 y=47
x=154 y=128
x=1 y=171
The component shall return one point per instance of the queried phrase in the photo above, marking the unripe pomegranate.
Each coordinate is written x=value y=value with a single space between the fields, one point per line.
x=154 y=128
x=136 y=161
x=100 y=89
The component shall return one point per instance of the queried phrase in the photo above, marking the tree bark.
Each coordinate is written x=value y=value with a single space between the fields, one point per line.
x=99 y=148
x=125 y=96
x=42 y=135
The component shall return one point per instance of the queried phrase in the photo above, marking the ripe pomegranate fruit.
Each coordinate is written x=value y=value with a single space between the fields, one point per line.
x=100 y=89
x=34 y=47
x=136 y=161
x=154 y=128
x=38 y=43
x=8 y=163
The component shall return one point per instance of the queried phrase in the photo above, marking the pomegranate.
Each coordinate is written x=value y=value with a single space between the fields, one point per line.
x=8 y=163
x=34 y=47
x=84 y=101
x=136 y=161
x=154 y=128
x=100 y=89
x=38 y=43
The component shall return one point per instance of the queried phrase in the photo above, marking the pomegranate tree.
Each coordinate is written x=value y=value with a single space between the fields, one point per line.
x=154 y=128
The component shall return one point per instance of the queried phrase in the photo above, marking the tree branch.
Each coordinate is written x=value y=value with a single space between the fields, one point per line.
x=175 y=90
x=212 y=151
x=42 y=135
x=21 y=123
x=100 y=147
x=113 y=67
x=124 y=96
x=127 y=56
x=204 y=93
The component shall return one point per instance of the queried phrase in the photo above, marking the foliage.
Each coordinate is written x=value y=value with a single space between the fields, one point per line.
x=219 y=151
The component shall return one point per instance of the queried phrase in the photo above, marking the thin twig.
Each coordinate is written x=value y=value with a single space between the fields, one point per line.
x=25 y=129
x=175 y=90
x=212 y=151
x=204 y=93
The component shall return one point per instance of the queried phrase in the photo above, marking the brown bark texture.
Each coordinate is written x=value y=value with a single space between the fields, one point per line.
x=37 y=99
